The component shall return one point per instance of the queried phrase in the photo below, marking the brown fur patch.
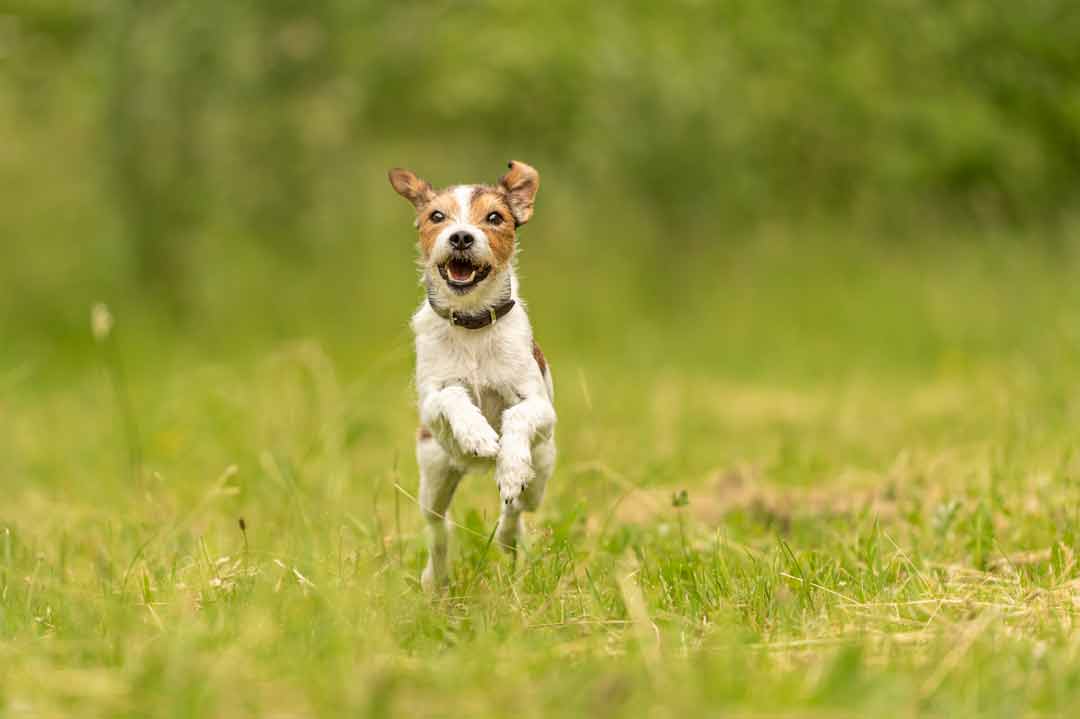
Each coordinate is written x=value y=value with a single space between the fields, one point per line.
x=512 y=199
x=414 y=189
x=445 y=203
x=520 y=184
x=501 y=235
x=538 y=355
x=423 y=433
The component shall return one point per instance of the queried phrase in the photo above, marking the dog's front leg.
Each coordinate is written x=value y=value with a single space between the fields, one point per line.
x=522 y=425
x=452 y=408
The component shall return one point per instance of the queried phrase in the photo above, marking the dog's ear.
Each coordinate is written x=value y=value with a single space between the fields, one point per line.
x=520 y=185
x=411 y=187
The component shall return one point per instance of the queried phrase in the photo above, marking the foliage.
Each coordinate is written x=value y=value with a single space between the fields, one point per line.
x=178 y=124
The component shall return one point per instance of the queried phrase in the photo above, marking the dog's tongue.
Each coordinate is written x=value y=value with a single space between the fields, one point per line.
x=460 y=270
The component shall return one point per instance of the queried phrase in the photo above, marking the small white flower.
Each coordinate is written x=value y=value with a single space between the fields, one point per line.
x=101 y=321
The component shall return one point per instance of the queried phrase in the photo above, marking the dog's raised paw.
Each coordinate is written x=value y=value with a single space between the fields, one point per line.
x=512 y=478
x=480 y=441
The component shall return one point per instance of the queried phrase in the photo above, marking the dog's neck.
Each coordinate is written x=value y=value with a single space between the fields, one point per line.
x=494 y=294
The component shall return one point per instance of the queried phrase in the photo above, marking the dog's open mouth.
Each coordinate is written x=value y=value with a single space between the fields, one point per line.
x=461 y=273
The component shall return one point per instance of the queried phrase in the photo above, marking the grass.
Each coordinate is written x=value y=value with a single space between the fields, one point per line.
x=812 y=484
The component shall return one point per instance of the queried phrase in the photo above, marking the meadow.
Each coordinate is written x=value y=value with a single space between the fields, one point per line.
x=836 y=484
x=805 y=275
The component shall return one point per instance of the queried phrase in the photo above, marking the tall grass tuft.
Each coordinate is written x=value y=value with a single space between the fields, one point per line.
x=102 y=326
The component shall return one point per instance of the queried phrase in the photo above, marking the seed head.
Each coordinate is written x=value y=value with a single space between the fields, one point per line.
x=101 y=321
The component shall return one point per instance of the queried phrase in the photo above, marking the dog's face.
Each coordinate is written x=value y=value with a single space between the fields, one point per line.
x=468 y=232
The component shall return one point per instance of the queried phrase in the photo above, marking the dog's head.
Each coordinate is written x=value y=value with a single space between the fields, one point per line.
x=468 y=233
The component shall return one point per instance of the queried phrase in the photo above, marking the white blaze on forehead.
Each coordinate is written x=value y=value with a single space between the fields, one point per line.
x=463 y=194
x=463 y=197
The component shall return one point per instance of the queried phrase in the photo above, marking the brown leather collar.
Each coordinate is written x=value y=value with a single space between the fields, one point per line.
x=477 y=321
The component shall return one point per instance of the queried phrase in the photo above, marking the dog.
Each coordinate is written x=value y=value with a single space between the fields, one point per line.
x=484 y=387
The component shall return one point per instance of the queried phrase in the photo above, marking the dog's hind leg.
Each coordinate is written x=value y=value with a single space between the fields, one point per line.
x=510 y=528
x=543 y=462
x=439 y=479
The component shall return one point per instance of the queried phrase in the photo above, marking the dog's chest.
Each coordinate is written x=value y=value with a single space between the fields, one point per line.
x=490 y=388
x=492 y=404
x=489 y=366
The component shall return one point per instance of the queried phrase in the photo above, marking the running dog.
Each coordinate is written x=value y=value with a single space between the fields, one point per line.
x=485 y=389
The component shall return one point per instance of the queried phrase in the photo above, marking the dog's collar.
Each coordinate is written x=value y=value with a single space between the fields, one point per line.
x=477 y=321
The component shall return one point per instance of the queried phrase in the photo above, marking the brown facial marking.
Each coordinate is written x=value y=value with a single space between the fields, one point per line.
x=500 y=234
x=423 y=433
x=512 y=199
x=538 y=355
x=443 y=202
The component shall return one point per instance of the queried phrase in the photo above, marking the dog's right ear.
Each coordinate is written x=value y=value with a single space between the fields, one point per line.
x=411 y=187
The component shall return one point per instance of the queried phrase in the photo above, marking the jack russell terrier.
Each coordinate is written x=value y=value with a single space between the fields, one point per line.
x=485 y=389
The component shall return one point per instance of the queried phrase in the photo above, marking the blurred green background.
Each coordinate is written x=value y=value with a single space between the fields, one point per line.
x=216 y=171
x=805 y=273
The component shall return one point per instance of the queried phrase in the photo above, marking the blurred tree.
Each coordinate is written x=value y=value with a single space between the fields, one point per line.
x=165 y=57
x=208 y=114
x=283 y=58
x=235 y=120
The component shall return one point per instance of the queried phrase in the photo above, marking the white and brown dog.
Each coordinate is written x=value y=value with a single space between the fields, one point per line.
x=485 y=390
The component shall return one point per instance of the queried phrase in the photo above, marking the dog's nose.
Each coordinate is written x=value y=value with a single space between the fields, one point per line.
x=461 y=240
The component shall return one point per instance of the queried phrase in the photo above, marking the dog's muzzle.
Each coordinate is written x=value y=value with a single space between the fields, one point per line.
x=462 y=272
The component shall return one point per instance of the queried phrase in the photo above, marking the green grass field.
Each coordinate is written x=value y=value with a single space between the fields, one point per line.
x=791 y=483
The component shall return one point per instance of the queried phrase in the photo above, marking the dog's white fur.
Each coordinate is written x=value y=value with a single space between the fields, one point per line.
x=483 y=395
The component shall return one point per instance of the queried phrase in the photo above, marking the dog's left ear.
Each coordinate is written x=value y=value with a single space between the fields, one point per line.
x=520 y=185
x=414 y=189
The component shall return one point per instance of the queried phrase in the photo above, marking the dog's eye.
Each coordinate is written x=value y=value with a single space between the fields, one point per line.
x=437 y=216
x=495 y=218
